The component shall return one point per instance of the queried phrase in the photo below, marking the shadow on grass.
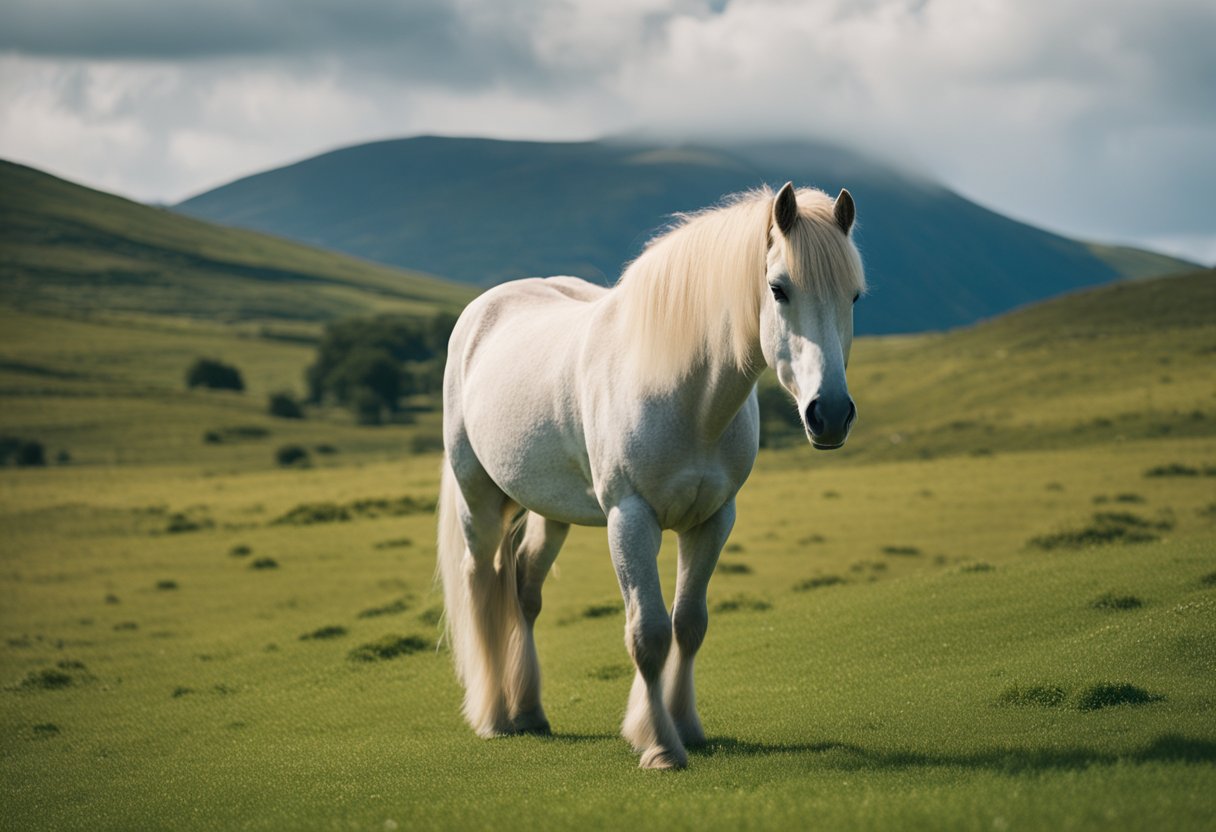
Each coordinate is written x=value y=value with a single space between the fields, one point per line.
x=1167 y=748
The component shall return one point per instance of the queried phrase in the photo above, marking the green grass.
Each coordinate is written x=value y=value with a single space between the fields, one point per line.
x=982 y=683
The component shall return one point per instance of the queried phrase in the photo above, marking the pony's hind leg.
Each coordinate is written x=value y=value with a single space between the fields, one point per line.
x=542 y=540
x=634 y=537
x=699 y=550
x=482 y=607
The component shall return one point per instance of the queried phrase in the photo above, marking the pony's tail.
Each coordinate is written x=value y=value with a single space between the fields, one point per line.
x=481 y=614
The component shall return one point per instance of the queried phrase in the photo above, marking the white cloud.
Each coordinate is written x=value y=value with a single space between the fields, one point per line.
x=1092 y=117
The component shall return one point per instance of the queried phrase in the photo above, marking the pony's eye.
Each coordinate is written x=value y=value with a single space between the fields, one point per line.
x=856 y=297
x=779 y=294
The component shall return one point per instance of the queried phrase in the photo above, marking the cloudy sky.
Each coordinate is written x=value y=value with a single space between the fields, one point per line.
x=1093 y=117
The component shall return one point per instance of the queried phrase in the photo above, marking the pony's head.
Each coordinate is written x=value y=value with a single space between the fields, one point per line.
x=814 y=277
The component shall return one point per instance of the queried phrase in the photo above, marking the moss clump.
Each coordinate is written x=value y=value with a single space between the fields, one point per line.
x=902 y=551
x=392 y=608
x=729 y=568
x=742 y=603
x=1106 y=527
x=388 y=647
x=47 y=679
x=602 y=610
x=1111 y=601
x=1106 y=695
x=818 y=582
x=1172 y=469
x=332 y=631
x=264 y=563
x=1090 y=697
x=1041 y=696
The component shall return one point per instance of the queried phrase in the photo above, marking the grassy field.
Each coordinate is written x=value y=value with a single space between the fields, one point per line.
x=996 y=610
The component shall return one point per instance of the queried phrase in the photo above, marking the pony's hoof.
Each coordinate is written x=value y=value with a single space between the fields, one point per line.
x=659 y=758
x=533 y=722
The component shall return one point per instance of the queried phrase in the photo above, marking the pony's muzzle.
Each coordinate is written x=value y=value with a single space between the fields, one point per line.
x=829 y=421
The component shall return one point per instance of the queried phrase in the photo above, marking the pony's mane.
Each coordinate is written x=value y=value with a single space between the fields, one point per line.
x=695 y=292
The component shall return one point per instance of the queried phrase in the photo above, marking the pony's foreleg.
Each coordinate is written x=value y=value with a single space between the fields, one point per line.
x=699 y=550
x=634 y=537
x=541 y=542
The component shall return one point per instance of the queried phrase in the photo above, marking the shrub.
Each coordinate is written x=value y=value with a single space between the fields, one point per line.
x=290 y=455
x=284 y=406
x=214 y=375
x=264 y=563
x=21 y=452
x=1173 y=469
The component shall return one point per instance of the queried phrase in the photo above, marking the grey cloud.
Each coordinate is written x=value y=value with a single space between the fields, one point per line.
x=421 y=39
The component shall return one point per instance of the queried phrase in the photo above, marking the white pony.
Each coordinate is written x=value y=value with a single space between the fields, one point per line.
x=632 y=407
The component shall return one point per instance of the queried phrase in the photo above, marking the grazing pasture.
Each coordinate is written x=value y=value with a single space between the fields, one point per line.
x=192 y=636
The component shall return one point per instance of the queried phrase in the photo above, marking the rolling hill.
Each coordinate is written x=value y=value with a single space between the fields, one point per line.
x=483 y=211
x=65 y=248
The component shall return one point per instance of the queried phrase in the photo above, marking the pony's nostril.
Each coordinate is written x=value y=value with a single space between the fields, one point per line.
x=813 y=420
x=852 y=414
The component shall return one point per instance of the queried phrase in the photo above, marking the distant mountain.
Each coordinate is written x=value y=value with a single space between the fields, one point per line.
x=483 y=211
x=70 y=249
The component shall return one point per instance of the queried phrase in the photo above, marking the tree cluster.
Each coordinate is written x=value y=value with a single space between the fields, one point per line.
x=370 y=364
x=214 y=375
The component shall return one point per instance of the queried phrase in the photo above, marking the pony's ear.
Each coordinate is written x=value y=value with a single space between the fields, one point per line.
x=785 y=208
x=845 y=211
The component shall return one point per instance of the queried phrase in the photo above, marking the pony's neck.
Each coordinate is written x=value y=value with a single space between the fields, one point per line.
x=719 y=391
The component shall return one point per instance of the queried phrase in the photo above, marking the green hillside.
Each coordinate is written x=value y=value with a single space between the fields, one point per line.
x=69 y=249
x=994 y=610
x=484 y=211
